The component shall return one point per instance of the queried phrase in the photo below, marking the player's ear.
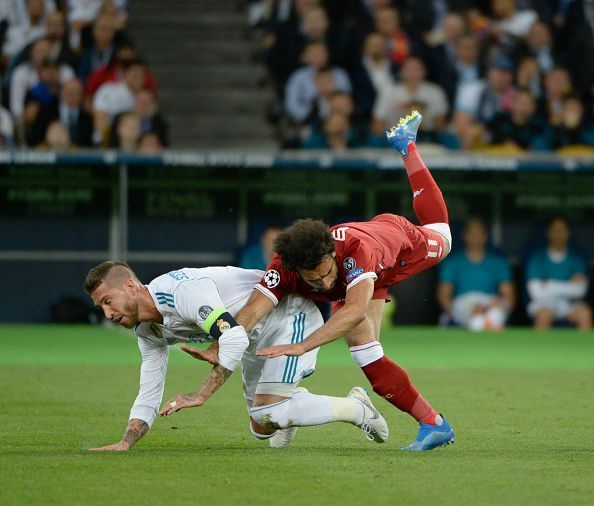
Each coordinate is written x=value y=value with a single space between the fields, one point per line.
x=130 y=286
x=334 y=254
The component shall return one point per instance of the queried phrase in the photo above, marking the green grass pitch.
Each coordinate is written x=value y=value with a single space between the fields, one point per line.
x=521 y=404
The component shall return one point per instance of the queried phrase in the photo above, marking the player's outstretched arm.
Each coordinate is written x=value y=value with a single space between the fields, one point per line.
x=218 y=375
x=341 y=323
x=134 y=432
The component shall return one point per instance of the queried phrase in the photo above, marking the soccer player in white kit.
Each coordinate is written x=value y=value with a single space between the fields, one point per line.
x=196 y=305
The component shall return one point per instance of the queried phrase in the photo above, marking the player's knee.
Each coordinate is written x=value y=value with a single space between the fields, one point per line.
x=272 y=416
x=260 y=432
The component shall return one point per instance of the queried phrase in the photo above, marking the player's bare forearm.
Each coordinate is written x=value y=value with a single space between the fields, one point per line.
x=217 y=376
x=257 y=306
x=135 y=430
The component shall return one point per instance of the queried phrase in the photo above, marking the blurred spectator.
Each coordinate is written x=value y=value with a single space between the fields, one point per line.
x=101 y=51
x=519 y=127
x=151 y=121
x=539 y=44
x=413 y=92
x=69 y=111
x=301 y=91
x=557 y=281
x=464 y=68
x=475 y=284
x=557 y=86
x=374 y=73
x=575 y=128
x=150 y=144
x=112 y=99
x=81 y=13
x=58 y=38
x=510 y=20
x=528 y=76
x=114 y=72
x=33 y=27
x=26 y=75
x=57 y=137
x=40 y=100
x=325 y=86
x=6 y=129
x=387 y=23
x=257 y=256
x=477 y=103
x=128 y=132
x=442 y=45
x=286 y=41
x=336 y=134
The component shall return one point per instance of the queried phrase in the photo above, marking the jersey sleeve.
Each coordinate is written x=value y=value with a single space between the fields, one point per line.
x=152 y=381
x=198 y=301
x=359 y=261
x=276 y=282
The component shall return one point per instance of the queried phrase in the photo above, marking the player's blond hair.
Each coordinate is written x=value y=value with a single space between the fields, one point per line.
x=110 y=272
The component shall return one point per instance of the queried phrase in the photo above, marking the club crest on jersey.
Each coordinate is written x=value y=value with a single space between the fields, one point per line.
x=354 y=273
x=271 y=278
x=349 y=264
x=204 y=311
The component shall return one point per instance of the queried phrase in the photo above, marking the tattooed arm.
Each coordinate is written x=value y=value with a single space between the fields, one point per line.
x=135 y=430
x=218 y=375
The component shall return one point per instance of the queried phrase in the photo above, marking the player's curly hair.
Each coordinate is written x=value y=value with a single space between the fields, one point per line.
x=304 y=244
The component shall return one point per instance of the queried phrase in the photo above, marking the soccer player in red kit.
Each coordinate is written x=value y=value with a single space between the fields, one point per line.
x=354 y=264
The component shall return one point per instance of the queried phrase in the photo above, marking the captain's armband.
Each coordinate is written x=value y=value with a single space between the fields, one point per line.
x=218 y=321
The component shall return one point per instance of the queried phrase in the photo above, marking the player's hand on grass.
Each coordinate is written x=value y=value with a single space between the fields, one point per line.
x=293 y=350
x=120 y=446
x=181 y=401
x=211 y=355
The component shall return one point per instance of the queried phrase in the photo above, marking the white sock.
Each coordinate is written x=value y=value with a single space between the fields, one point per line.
x=306 y=409
x=367 y=353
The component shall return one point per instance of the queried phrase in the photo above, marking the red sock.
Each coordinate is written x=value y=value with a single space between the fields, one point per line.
x=390 y=381
x=428 y=202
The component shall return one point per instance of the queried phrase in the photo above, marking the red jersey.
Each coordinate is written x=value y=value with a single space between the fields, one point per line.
x=387 y=249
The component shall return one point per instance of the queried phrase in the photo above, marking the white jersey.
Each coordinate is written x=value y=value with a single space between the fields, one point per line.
x=191 y=302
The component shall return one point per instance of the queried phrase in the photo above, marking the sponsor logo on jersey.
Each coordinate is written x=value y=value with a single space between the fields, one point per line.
x=416 y=193
x=271 y=278
x=204 y=311
x=223 y=325
x=354 y=273
x=350 y=263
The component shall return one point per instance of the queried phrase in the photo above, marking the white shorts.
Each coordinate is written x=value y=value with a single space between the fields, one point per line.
x=560 y=307
x=291 y=321
x=463 y=305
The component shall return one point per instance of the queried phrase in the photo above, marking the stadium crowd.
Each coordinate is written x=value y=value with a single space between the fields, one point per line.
x=71 y=77
x=510 y=75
